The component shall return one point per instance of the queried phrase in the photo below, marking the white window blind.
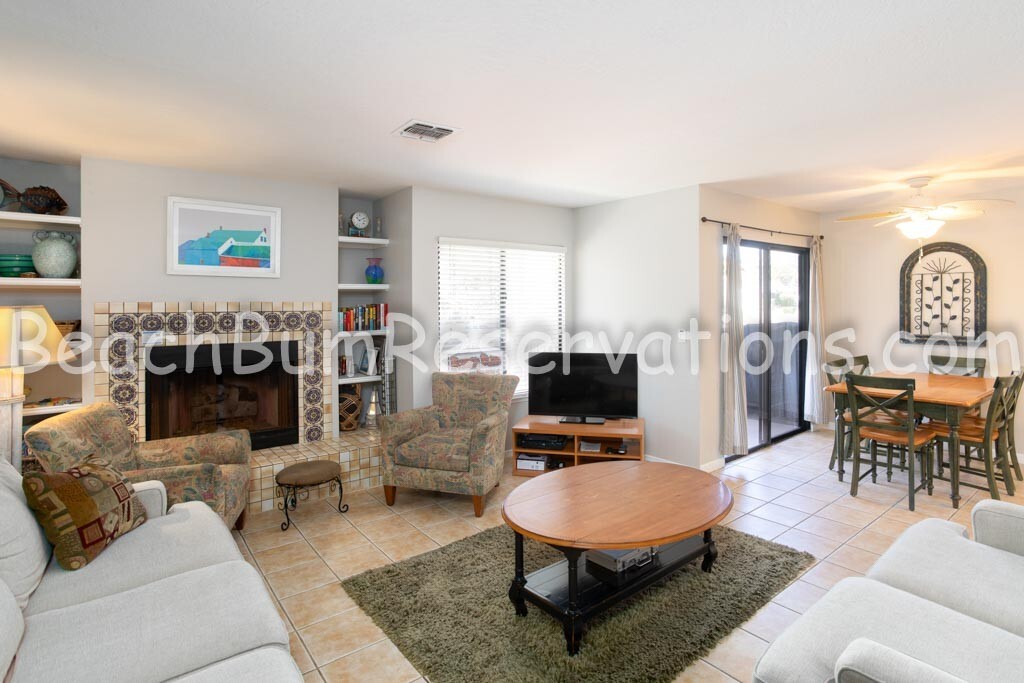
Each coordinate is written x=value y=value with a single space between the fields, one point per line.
x=497 y=303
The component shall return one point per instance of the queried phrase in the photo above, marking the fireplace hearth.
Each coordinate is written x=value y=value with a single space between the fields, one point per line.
x=215 y=388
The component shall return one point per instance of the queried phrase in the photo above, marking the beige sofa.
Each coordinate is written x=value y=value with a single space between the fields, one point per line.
x=171 y=600
x=936 y=607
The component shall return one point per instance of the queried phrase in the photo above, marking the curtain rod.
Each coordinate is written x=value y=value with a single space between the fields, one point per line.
x=705 y=219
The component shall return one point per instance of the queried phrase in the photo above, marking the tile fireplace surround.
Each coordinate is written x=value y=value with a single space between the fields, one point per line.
x=119 y=325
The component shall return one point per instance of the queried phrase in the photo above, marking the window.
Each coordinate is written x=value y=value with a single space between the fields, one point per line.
x=496 y=304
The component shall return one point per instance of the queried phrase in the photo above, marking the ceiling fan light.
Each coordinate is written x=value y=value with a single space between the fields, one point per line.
x=920 y=228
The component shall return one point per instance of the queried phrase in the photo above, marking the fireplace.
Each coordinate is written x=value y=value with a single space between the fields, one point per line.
x=212 y=393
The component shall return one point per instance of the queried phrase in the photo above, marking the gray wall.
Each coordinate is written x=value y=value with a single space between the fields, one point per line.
x=438 y=213
x=395 y=212
x=862 y=268
x=124 y=250
x=637 y=271
x=124 y=209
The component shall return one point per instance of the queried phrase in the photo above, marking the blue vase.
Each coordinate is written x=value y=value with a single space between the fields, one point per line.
x=374 y=273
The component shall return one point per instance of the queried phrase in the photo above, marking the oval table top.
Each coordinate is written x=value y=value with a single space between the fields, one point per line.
x=618 y=504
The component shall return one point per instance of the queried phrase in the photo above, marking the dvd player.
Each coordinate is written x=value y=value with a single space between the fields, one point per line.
x=542 y=442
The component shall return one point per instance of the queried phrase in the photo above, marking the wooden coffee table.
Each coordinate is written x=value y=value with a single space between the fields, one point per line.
x=610 y=505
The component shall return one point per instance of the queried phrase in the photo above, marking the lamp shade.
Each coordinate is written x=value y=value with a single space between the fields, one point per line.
x=28 y=337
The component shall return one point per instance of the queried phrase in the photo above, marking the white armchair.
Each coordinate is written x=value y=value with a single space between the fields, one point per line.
x=153 y=496
x=999 y=525
x=865 y=661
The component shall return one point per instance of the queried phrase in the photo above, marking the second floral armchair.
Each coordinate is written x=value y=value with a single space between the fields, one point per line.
x=213 y=468
x=456 y=445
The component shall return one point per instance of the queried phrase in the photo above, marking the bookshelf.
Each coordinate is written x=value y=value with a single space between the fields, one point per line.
x=360 y=287
x=51 y=410
x=36 y=221
x=355 y=293
x=60 y=296
x=40 y=283
x=362 y=242
x=359 y=378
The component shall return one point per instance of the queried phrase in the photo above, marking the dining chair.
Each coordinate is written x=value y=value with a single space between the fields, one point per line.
x=989 y=436
x=1011 y=408
x=888 y=420
x=835 y=372
x=964 y=366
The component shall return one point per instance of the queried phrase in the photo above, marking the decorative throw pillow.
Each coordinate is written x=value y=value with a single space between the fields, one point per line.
x=83 y=509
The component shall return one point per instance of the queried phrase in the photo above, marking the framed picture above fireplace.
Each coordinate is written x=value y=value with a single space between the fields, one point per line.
x=220 y=238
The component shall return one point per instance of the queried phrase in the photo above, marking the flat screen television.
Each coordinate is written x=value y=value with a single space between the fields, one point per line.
x=583 y=387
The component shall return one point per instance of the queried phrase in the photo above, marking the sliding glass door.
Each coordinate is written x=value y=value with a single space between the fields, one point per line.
x=775 y=283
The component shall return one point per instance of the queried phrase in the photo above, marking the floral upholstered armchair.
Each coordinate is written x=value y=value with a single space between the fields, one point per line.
x=213 y=468
x=456 y=445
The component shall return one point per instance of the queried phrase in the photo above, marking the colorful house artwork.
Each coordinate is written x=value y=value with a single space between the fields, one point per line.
x=233 y=248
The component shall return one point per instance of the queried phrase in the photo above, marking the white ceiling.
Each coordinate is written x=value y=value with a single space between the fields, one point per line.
x=819 y=104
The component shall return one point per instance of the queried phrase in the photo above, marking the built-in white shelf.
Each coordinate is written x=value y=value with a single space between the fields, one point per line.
x=363 y=333
x=358 y=378
x=51 y=410
x=356 y=287
x=363 y=242
x=39 y=283
x=34 y=221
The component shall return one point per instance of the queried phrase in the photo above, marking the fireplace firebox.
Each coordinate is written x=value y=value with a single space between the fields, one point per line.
x=212 y=393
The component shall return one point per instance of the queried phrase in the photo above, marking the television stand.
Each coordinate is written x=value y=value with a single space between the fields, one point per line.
x=581 y=420
x=611 y=434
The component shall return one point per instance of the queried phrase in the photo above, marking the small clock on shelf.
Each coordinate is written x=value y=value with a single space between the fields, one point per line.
x=358 y=222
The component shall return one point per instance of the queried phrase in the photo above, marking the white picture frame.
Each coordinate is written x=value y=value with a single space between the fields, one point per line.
x=222 y=239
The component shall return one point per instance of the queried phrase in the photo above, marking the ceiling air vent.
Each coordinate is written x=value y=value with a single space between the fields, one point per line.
x=423 y=131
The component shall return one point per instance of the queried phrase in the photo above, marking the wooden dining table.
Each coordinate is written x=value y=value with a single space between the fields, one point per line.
x=939 y=397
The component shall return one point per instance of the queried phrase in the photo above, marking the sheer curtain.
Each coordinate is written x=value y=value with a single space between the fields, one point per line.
x=816 y=403
x=733 y=431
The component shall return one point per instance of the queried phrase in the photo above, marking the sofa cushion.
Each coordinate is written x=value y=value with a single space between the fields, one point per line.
x=83 y=509
x=265 y=664
x=935 y=560
x=12 y=626
x=443 y=449
x=861 y=608
x=24 y=551
x=10 y=478
x=155 y=632
x=189 y=537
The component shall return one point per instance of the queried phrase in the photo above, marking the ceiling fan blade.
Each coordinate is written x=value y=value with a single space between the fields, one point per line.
x=870 y=216
x=890 y=220
x=980 y=204
x=954 y=213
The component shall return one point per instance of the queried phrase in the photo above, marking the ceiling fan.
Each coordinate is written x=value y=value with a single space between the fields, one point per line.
x=920 y=218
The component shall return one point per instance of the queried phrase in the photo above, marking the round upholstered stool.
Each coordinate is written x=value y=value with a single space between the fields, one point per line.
x=303 y=476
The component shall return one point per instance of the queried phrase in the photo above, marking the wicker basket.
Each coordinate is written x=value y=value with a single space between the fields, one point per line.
x=66 y=327
x=350 y=407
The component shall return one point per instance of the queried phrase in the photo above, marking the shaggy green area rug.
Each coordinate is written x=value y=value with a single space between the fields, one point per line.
x=449 y=613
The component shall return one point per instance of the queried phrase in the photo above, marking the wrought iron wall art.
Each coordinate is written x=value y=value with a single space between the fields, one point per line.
x=942 y=294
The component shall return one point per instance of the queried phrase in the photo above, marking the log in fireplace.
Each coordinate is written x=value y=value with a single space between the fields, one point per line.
x=223 y=387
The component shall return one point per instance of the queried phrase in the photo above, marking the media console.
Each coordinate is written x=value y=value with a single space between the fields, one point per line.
x=612 y=434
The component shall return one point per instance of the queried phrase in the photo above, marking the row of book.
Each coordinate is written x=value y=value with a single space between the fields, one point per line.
x=363 y=318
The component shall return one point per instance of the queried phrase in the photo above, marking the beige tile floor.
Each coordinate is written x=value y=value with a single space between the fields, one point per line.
x=784 y=493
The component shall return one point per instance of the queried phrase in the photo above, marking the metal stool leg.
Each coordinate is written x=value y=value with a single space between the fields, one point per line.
x=288 y=501
x=341 y=493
